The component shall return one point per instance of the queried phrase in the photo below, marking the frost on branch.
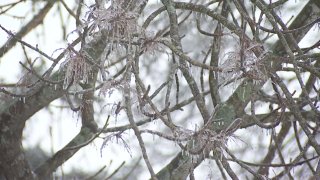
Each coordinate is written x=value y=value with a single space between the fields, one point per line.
x=109 y=86
x=150 y=43
x=119 y=23
x=241 y=63
x=230 y=68
x=77 y=69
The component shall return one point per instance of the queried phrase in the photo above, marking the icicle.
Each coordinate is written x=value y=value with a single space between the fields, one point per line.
x=23 y=99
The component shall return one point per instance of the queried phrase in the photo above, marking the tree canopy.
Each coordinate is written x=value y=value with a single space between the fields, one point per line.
x=194 y=89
